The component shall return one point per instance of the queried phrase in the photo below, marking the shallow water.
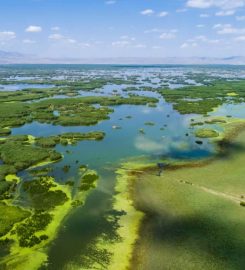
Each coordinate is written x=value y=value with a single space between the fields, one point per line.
x=81 y=228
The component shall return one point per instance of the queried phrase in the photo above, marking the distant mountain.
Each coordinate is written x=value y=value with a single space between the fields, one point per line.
x=18 y=58
x=15 y=58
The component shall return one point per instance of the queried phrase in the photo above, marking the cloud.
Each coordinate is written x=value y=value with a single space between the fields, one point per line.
x=34 y=29
x=225 y=13
x=206 y=40
x=188 y=45
x=224 y=29
x=156 y=47
x=194 y=42
x=7 y=35
x=56 y=37
x=240 y=38
x=139 y=46
x=125 y=37
x=184 y=45
x=70 y=40
x=199 y=3
x=28 y=41
x=59 y=37
x=181 y=10
x=204 y=15
x=55 y=28
x=222 y=4
x=200 y=25
x=86 y=45
x=163 y=14
x=153 y=30
x=240 y=18
x=147 y=12
x=121 y=43
x=169 y=34
x=110 y=2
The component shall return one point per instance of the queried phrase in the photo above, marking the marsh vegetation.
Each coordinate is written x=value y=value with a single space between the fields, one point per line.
x=62 y=177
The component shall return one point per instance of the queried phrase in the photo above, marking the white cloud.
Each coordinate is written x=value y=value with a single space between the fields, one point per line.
x=125 y=37
x=219 y=25
x=167 y=35
x=198 y=40
x=199 y=3
x=70 y=40
x=156 y=47
x=55 y=28
x=223 y=4
x=110 y=2
x=240 y=38
x=184 y=45
x=7 y=35
x=33 y=29
x=121 y=43
x=200 y=25
x=187 y=45
x=140 y=46
x=240 y=18
x=153 y=30
x=181 y=10
x=147 y=12
x=206 y=40
x=204 y=15
x=83 y=44
x=224 y=29
x=56 y=37
x=225 y=13
x=28 y=41
x=59 y=37
x=163 y=14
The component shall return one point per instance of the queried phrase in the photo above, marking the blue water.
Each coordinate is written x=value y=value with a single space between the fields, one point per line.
x=81 y=228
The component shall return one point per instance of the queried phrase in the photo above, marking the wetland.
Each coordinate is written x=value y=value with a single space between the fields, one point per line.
x=122 y=167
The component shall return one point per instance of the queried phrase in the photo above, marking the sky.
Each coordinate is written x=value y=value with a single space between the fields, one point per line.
x=123 y=28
